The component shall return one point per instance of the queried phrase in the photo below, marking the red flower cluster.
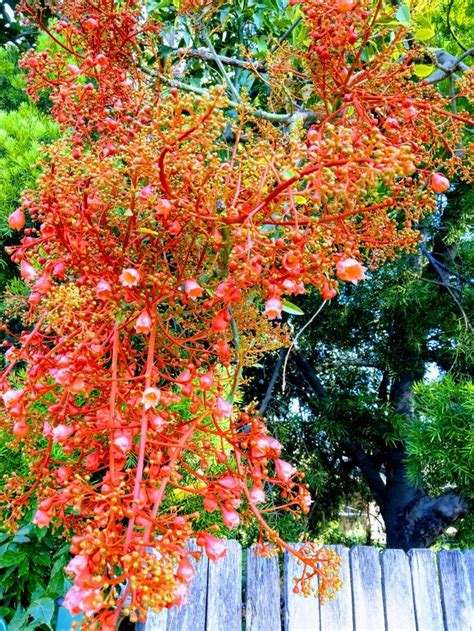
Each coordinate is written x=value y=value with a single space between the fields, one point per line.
x=149 y=264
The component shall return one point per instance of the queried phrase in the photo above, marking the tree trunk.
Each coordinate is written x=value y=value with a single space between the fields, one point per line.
x=412 y=518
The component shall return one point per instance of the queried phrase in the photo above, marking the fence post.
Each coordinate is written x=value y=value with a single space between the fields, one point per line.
x=366 y=577
x=397 y=591
x=426 y=590
x=262 y=611
x=455 y=591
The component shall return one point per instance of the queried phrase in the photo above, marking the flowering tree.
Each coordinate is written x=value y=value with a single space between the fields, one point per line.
x=159 y=249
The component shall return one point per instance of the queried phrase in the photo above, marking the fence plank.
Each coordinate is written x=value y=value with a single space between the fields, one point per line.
x=300 y=613
x=338 y=613
x=397 y=591
x=224 y=589
x=455 y=591
x=263 y=593
x=366 y=579
x=429 y=615
x=469 y=560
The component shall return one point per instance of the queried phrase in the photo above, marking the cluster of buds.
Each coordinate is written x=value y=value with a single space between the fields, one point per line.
x=156 y=265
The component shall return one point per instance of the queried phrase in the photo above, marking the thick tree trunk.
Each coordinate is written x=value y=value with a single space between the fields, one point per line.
x=412 y=518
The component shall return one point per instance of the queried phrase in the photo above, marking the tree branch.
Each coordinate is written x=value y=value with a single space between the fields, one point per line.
x=369 y=470
x=271 y=384
x=446 y=285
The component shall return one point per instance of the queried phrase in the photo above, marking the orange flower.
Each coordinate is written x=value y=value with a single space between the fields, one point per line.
x=129 y=277
x=151 y=398
x=350 y=270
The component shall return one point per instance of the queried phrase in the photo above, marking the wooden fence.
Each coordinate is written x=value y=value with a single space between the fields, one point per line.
x=383 y=591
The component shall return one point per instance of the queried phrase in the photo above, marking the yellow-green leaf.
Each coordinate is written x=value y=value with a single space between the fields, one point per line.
x=299 y=199
x=289 y=307
x=423 y=70
x=424 y=34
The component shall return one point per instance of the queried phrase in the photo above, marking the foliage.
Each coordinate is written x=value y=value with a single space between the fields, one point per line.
x=32 y=565
x=440 y=443
x=23 y=130
x=168 y=225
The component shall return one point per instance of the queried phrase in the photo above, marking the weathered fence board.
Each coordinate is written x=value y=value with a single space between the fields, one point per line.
x=388 y=591
x=397 y=591
x=455 y=591
x=224 y=591
x=262 y=611
x=338 y=613
x=429 y=615
x=469 y=560
x=300 y=613
x=366 y=579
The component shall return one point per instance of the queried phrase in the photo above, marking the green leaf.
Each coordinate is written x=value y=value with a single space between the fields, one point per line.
x=424 y=34
x=403 y=15
x=423 y=70
x=17 y=623
x=11 y=557
x=289 y=307
x=42 y=611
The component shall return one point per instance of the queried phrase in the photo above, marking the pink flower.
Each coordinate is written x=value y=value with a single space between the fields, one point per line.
x=41 y=518
x=185 y=571
x=129 y=277
x=123 y=442
x=284 y=470
x=439 y=183
x=20 y=429
x=229 y=482
x=206 y=380
x=163 y=207
x=157 y=422
x=214 y=547
x=350 y=270
x=12 y=397
x=79 y=600
x=27 y=271
x=230 y=518
x=223 y=408
x=273 y=308
x=103 y=290
x=16 y=220
x=146 y=192
x=151 y=398
x=257 y=495
x=77 y=565
x=43 y=284
x=210 y=504
x=143 y=323
x=62 y=432
x=193 y=289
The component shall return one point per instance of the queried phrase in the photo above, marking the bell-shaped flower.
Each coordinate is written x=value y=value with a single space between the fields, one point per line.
x=103 y=290
x=273 y=308
x=151 y=398
x=185 y=571
x=129 y=277
x=192 y=289
x=214 y=547
x=143 y=323
x=284 y=470
x=41 y=518
x=350 y=270
x=16 y=220
x=222 y=408
x=27 y=271
x=257 y=495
